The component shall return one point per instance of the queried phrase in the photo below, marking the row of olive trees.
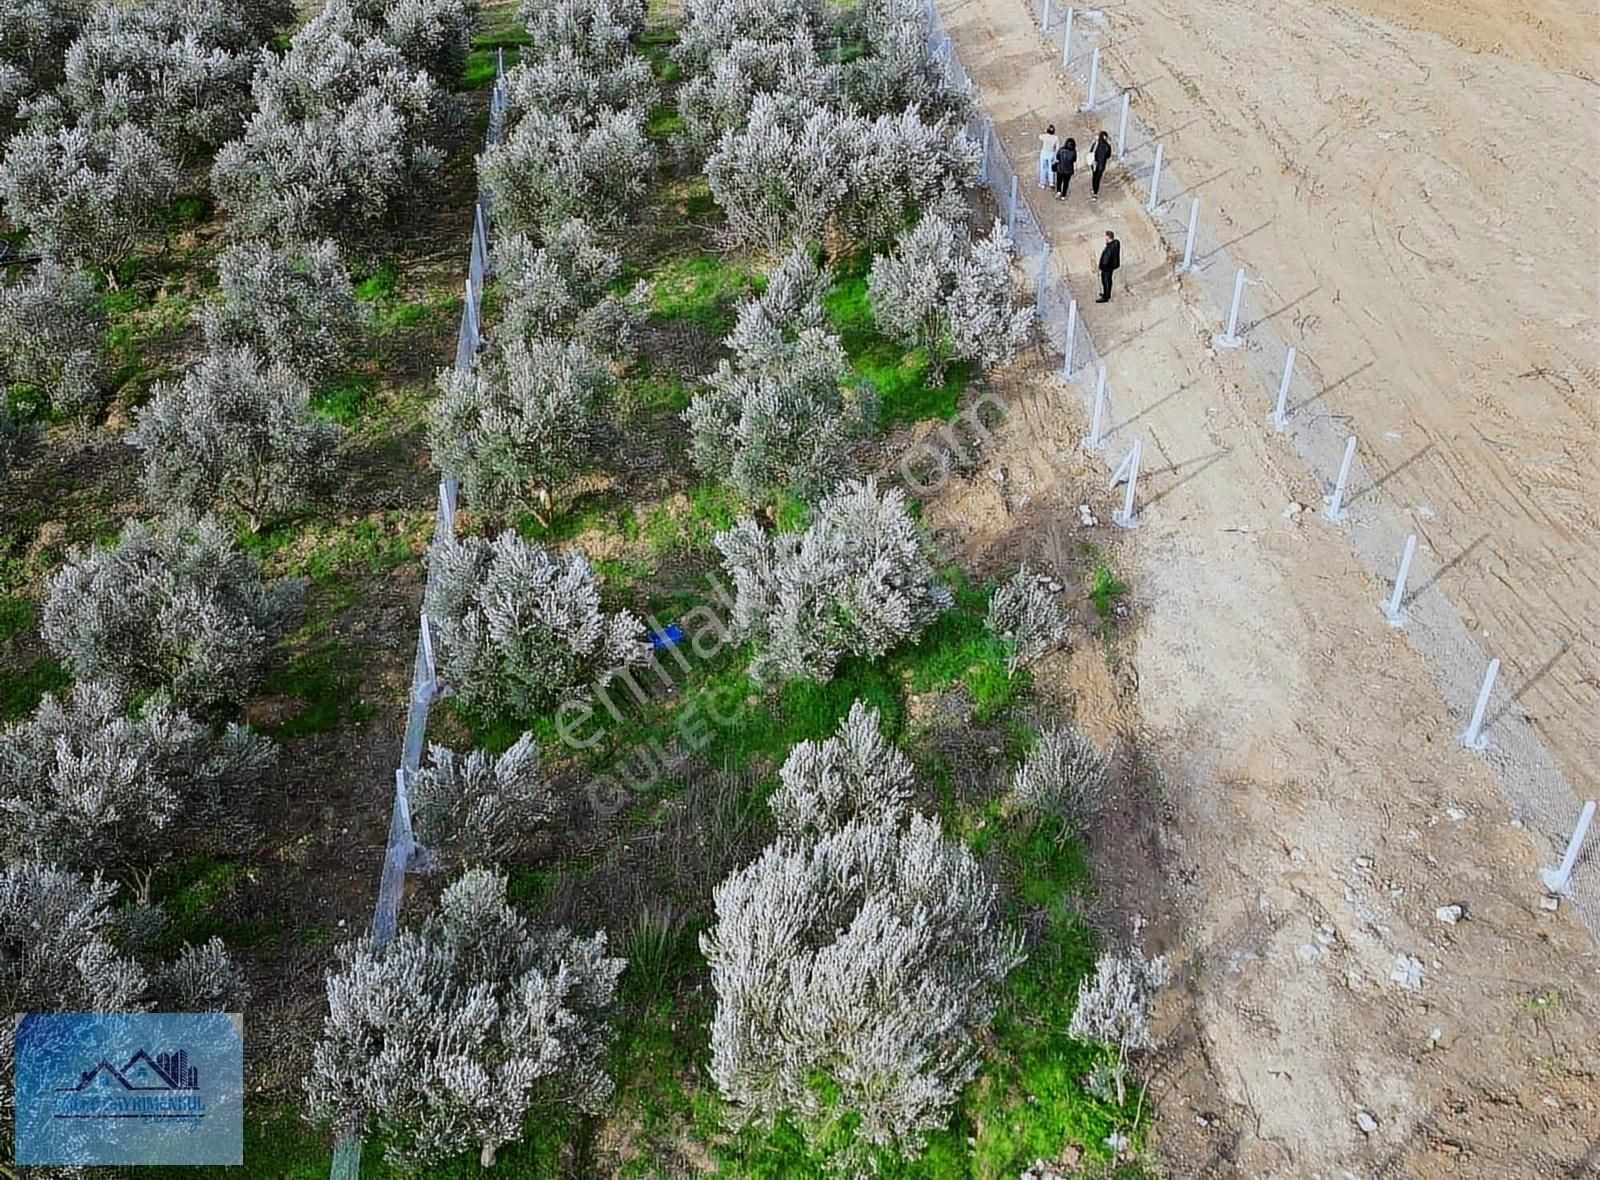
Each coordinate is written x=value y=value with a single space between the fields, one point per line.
x=444 y=1040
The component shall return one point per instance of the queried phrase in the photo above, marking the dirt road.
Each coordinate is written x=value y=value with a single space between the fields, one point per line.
x=1321 y=810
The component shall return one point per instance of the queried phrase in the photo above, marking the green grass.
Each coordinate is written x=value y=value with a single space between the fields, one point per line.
x=17 y=614
x=702 y=289
x=346 y=401
x=906 y=391
x=1105 y=588
x=21 y=689
x=325 y=680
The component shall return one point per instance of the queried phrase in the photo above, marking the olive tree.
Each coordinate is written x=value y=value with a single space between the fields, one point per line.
x=709 y=27
x=520 y=421
x=1114 y=1008
x=719 y=99
x=448 y=1037
x=853 y=974
x=857 y=774
x=34 y=35
x=83 y=782
x=858 y=581
x=949 y=294
x=85 y=194
x=783 y=174
x=51 y=323
x=899 y=69
x=781 y=415
x=1063 y=777
x=432 y=35
x=174 y=606
x=518 y=629
x=564 y=287
x=236 y=431
x=181 y=73
x=552 y=167
x=1026 y=617
x=480 y=806
x=292 y=303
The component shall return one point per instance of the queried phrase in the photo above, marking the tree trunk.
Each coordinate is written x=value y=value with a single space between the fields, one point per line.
x=486 y=1156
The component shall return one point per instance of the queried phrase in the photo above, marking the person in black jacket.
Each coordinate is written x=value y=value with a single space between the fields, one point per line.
x=1066 y=161
x=1102 y=154
x=1110 y=259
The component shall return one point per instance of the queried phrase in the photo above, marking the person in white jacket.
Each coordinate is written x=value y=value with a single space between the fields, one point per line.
x=1049 y=144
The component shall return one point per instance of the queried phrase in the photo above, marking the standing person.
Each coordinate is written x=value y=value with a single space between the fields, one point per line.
x=1048 y=145
x=1110 y=259
x=1102 y=153
x=1066 y=161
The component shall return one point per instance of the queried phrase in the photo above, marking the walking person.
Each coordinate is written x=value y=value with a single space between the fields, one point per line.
x=1102 y=154
x=1066 y=161
x=1110 y=259
x=1049 y=144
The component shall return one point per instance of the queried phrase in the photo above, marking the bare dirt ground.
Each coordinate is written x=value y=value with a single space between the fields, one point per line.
x=1316 y=808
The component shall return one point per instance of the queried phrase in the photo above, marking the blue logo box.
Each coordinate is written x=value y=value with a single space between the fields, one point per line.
x=130 y=1088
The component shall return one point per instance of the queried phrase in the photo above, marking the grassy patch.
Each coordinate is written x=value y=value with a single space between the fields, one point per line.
x=346 y=401
x=703 y=289
x=906 y=391
x=17 y=614
x=325 y=680
x=21 y=689
x=1105 y=588
x=958 y=647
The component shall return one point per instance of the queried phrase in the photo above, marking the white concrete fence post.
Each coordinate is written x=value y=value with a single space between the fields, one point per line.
x=1128 y=469
x=1559 y=880
x=1280 y=410
x=1391 y=609
x=1094 y=77
x=1473 y=738
x=1230 y=338
x=1047 y=15
x=1097 y=419
x=429 y=668
x=1155 y=183
x=1122 y=126
x=1072 y=337
x=1011 y=217
x=1335 y=510
x=1187 y=264
x=1066 y=41
x=1041 y=282
x=988 y=133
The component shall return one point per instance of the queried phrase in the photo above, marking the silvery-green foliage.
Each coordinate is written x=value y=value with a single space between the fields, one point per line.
x=563 y=288
x=480 y=806
x=550 y=169
x=293 y=303
x=50 y=327
x=174 y=606
x=596 y=31
x=902 y=165
x=791 y=303
x=523 y=418
x=858 y=581
x=536 y=15
x=445 y=1039
x=719 y=99
x=34 y=35
x=1025 y=616
x=344 y=130
x=708 y=28
x=518 y=630
x=866 y=959
x=85 y=194
x=181 y=72
x=1063 y=777
x=857 y=774
x=786 y=424
x=432 y=35
x=583 y=91
x=1114 y=1007
x=237 y=431
x=949 y=294
x=83 y=782
x=201 y=978
x=797 y=165
x=782 y=174
x=899 y=69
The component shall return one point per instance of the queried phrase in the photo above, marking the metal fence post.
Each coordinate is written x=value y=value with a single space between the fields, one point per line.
x=1094 y=77
x=1011 y=218
x=1066 y=41
x=1122 y=127
x=1155 y=183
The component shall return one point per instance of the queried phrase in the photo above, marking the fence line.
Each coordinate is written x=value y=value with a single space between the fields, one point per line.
x=402 y=852
x=1534 y=788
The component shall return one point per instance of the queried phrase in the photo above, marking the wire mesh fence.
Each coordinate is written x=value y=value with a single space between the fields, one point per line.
x=402 y=852
x=1259 y=323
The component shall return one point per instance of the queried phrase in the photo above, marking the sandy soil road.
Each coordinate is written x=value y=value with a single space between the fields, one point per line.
x=1321 y=809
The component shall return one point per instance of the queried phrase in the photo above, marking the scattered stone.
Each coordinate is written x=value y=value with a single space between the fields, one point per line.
x=1326 y=936
x=1086 y=517
x=1363 y=863
x=1366 y=1122
x=1055 y=587
x=1549 y=902
x=1200 y=1120
x=1455 y=813
x=1293 y=511
x=1449 y=914
x=1310 y=952
x=1117 y=1141
x=1407 y=972
x=1516 y=823
x=1435 y=1035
